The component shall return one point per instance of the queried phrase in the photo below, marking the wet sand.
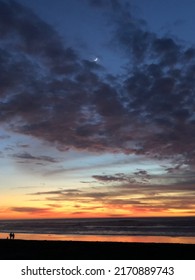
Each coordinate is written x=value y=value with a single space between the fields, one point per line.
x=83 y=250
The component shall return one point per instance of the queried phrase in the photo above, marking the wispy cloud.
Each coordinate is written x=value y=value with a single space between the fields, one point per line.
x=31 y=210
x=128 y=196
x=28 y=157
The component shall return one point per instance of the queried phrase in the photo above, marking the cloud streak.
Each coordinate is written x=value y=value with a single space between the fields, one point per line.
x=31 y=210
x=160 y=198
x=29 y=158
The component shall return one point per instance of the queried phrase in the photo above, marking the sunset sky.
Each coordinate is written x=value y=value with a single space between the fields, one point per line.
x=97 y=108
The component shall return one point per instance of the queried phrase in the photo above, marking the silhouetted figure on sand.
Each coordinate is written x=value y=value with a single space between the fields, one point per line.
x=11 y=235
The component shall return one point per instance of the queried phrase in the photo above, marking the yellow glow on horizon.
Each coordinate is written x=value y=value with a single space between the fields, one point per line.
x=22 y=206
x=103 y=213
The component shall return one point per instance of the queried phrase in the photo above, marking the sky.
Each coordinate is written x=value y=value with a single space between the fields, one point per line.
x=97 y=102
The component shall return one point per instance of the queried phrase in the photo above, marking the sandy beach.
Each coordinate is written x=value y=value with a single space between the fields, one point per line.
x=77 y=250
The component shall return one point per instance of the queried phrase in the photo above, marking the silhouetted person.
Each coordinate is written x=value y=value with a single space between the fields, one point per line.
x=11 y=235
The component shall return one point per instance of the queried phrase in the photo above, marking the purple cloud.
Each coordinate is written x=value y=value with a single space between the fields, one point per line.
x=48 y=91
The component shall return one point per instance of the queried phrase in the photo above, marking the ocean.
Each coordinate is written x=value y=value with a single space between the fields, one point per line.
x=172 y=229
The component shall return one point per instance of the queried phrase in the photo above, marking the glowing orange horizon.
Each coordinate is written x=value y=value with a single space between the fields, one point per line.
x=15 y=216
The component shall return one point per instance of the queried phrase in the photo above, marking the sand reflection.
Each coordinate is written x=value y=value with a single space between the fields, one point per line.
x=105 y=238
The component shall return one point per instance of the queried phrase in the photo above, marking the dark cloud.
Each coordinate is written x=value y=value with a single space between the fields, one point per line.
x=59 y=192
x=140 y=176
x=31 y=210
x=111 y=178
x=160 y=91
x=23 y=145
x=49 y=92
x=29 y=157
x=159 y=196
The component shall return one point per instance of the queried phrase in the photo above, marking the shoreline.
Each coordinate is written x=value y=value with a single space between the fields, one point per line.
x=94 y=250
x=102 y=238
